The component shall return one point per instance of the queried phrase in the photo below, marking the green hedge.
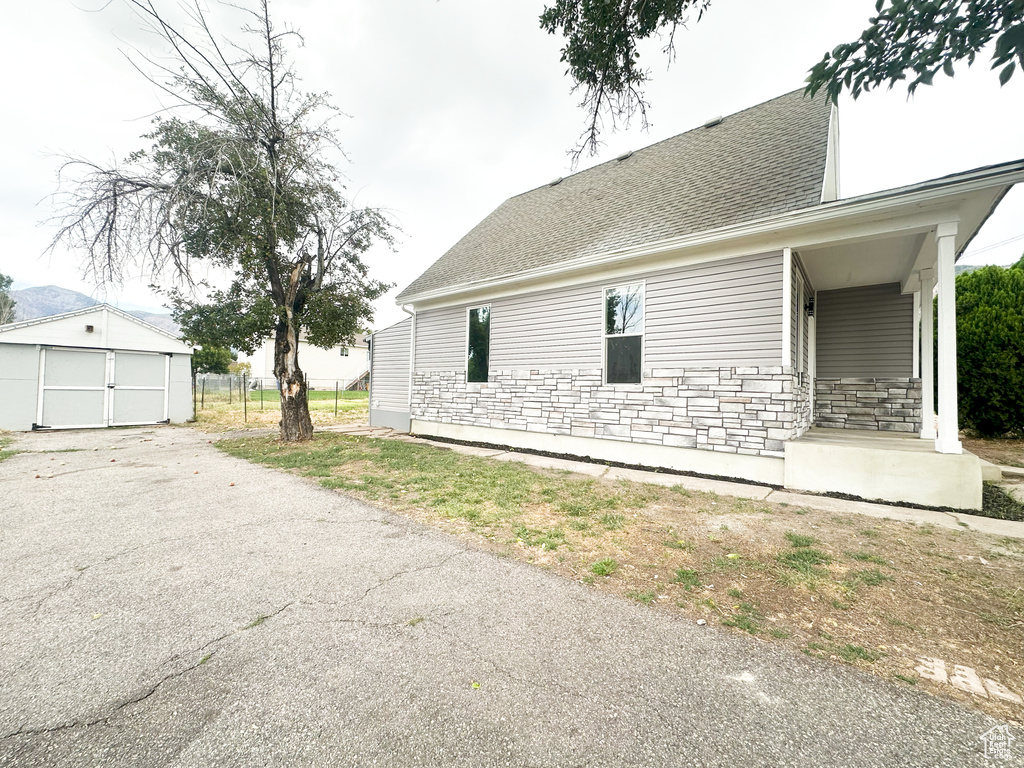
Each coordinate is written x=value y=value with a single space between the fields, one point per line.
x=990 y=349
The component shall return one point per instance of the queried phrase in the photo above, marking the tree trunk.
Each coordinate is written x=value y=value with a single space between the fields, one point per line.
x=295 y=422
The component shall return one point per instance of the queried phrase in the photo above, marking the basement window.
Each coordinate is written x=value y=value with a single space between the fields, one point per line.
x=624 y=333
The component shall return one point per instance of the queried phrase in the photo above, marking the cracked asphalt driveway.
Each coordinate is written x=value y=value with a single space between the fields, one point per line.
x=154 y=614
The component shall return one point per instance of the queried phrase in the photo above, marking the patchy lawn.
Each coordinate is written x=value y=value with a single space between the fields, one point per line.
x=353 y=408
x=998 y=450
x=876 y=594
x=6 y=440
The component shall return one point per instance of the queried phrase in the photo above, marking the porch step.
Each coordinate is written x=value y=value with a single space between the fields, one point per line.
x=990 y=473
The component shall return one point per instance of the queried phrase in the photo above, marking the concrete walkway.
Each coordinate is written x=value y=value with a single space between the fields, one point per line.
x=953 y=520
x=167 y=605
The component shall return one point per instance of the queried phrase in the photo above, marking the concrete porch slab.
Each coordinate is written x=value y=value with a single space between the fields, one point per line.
x=882 y=466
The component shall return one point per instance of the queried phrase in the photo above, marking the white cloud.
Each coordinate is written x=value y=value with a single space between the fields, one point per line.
x=457 y=104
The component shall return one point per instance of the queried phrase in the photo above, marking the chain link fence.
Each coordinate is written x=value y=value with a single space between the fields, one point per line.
x=257 y=393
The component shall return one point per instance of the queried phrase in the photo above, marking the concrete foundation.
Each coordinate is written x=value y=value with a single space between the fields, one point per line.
x=397 y=420
x=759 y=469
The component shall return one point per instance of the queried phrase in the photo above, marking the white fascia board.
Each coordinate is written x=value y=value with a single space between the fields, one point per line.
x=878 y=213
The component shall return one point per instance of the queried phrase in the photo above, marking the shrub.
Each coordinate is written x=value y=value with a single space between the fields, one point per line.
x=211 y=360
x=990 y=349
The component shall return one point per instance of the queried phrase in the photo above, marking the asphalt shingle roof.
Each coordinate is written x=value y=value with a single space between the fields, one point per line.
x=763 y=161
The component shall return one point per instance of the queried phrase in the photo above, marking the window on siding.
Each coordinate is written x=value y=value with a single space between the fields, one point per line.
x=479 y=343
x=624 y=333
x=344 y=351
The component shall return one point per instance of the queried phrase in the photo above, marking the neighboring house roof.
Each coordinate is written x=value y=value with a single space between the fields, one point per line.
x=763 y=161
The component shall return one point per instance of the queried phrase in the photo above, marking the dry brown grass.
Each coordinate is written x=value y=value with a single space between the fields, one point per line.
x=223 y=417
x=997 y=450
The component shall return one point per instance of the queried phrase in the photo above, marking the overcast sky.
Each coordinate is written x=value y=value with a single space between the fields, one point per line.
x=456 y=105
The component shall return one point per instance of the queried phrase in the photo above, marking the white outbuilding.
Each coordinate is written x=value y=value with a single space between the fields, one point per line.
x=94 y=367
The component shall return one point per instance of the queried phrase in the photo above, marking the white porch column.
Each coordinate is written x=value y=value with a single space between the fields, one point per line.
x=948 y=440
x=916 y=367
x=927 y=355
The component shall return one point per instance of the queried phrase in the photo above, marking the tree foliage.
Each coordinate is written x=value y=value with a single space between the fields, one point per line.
x=7 y=302
x=915 y=38
x=237 y=178
x=918 y=39
x=990 y=349
x=211 y=360
x=601 y=38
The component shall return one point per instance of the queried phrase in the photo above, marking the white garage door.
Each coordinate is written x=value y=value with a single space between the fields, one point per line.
x=92 y=388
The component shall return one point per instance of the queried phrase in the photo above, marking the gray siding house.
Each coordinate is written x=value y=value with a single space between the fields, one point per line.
x=706 y=304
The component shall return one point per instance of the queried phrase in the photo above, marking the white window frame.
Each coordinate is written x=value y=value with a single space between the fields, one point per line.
x=605 y=336
x=343 y=351
x=465 y=345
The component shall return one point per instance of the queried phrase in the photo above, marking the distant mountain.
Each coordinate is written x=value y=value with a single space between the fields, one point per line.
x=161 y=320
x=47 y=300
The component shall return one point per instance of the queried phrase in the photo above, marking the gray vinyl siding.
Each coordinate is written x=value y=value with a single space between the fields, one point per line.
x=865 y=332
x=441 y=339
x=720 y=313
x=799 y=345
x=558 y=328
x=805 y=347
x=389 y=374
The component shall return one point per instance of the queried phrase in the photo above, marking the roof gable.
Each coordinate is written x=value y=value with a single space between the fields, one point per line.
x=760 y=162
x=119 y=330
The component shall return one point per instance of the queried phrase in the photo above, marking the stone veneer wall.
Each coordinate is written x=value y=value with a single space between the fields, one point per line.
x=885 y=404
x=734 y=410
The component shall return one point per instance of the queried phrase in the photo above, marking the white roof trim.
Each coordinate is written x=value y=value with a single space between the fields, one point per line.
x=932 y=190
x=89 y=310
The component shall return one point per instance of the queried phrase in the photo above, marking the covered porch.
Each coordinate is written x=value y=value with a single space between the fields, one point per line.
x=860 y=328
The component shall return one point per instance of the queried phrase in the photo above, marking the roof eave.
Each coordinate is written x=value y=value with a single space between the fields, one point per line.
x=1005 y=174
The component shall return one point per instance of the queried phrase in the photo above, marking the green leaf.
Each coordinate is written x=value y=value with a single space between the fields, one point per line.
x=1007 y=73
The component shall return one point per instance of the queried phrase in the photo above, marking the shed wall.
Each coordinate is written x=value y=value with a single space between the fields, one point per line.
x=19 y=383
x=179 y=406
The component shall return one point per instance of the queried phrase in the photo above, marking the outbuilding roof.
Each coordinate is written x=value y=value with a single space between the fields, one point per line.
x=113 y=329
x=763 y=161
